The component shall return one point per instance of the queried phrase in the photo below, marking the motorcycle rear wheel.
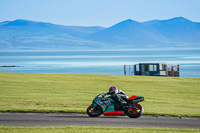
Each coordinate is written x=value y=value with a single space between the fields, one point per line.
x=94 y=111
x=135 y=112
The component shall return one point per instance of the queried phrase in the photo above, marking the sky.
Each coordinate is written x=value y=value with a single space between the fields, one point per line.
x=97 y=12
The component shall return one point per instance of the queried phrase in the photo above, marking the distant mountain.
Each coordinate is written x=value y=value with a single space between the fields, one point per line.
x=128 y=32
x=179 y=30
x=175 y=32
x=29 y=34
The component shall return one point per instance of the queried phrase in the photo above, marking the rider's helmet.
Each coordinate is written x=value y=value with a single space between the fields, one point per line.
x=113 y=89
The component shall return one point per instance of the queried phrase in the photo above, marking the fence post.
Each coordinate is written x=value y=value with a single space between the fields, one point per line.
x=124 y=69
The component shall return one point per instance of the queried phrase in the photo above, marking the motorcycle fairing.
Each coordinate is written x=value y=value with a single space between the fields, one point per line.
x=108 y=107
x=132 y=97
x=114 y=113
x=105 y=103
x=135 y=99
x=109 y=110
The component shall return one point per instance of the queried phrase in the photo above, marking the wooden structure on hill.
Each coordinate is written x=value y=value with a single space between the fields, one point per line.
x=153 y=69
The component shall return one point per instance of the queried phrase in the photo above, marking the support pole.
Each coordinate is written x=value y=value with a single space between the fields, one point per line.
x=124 y=69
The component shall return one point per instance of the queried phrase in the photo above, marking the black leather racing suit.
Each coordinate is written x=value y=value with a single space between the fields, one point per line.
x=120 y=97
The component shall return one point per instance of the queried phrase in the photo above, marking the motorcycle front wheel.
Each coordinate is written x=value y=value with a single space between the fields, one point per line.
x=135 y=112
x=94 y=111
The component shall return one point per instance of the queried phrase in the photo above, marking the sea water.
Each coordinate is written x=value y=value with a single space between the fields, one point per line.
x=96 y=61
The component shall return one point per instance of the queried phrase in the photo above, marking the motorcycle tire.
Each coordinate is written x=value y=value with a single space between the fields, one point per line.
x=94 y=111
x=135 y=112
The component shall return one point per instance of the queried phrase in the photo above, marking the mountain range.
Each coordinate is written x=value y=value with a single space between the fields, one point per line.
x=175 y=32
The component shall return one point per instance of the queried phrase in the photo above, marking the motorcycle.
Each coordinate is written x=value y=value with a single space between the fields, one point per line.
x=108 y=107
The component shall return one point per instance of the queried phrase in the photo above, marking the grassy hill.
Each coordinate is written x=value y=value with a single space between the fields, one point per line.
x=74 y=93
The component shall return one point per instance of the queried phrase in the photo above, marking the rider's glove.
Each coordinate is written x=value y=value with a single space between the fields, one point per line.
x=105 y=94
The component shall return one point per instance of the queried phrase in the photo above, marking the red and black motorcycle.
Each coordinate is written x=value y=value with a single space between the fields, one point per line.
x=108 y=107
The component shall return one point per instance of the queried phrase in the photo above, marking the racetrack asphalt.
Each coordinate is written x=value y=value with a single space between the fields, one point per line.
x=56 y=119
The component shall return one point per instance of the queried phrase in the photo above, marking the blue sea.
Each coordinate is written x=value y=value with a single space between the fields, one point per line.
x=96 y=61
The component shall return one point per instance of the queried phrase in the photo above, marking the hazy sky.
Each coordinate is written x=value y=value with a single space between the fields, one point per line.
x=97 y=12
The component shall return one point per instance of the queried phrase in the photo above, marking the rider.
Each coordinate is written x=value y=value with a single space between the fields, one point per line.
x=119 y=96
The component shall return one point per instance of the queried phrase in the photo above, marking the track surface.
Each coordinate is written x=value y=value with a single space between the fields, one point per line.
x=54 y=119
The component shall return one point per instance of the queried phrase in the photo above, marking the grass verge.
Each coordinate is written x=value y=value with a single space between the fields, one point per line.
x=26 y=92
x=84 y=129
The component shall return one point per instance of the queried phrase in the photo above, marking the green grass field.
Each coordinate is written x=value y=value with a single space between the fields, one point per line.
x=20 y=92
x=78 y=129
